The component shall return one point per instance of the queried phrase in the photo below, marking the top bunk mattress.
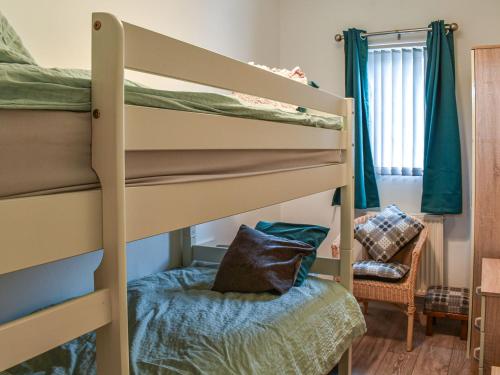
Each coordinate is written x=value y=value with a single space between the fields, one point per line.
x=47 y=151
x=177 y=325
x=28 y=86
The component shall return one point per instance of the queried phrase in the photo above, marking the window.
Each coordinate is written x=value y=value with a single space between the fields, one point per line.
x=396 y=82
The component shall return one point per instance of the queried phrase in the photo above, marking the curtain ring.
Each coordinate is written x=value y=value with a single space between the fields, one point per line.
x=362 y=37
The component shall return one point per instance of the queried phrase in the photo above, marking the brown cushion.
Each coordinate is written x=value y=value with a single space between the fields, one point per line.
x=258 y=262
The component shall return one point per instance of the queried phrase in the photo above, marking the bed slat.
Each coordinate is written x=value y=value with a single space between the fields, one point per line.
x=210 y=253
x=37 y=333
x=150 y=52
x=163 y=208
x=163 y=129
x=326 y=266
x=31 y=225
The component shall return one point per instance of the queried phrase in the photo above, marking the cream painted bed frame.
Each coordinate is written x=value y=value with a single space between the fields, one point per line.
x=42 y=229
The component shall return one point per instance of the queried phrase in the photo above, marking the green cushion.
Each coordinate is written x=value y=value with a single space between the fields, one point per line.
x=12 y=49
x=310 y=234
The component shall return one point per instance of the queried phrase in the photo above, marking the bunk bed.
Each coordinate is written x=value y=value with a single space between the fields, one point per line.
x=50 y=225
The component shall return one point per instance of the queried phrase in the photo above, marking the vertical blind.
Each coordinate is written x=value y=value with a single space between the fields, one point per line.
x=396 y=87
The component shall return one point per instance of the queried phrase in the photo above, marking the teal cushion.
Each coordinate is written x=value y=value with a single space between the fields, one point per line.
x=310 y=234
x=12 y=49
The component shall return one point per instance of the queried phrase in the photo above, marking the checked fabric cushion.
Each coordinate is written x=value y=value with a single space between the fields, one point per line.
x=447 y=299
x=386 y=233
x=373 y=270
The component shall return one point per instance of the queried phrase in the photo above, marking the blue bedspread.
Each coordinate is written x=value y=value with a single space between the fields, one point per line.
x=177 y=325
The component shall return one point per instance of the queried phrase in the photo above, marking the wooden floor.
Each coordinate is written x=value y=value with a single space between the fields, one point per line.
x=382 y=351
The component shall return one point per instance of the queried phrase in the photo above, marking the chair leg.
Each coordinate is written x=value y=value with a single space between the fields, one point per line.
x=409 y=333
x=365 y=306
x=428 y=326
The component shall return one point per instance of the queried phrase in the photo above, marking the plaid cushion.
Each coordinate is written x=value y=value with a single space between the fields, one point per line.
x=447 y=299
x=386 y=233
x=371 y=269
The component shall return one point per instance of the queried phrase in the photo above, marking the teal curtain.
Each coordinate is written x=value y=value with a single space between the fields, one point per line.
x=356 y=86
x=442 y=180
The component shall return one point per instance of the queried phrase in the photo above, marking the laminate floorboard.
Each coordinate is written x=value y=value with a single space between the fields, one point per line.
x=382 y=350
x=460 y=364
x=397 y=363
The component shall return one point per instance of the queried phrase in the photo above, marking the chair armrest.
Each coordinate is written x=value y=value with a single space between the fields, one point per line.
x=417 y=253
x=362 y=219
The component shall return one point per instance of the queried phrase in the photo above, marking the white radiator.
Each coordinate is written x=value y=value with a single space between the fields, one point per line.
x=431 y=270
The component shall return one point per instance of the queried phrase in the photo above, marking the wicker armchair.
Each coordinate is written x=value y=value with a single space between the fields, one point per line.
x=401 y=293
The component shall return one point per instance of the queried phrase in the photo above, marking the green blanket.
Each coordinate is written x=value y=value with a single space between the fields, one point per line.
x=25 y=85
x=177 y=325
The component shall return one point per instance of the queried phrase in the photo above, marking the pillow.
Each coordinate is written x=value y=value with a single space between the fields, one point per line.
x=257 y=262
x=12 y=49
x=295 y=74
x=310 y=234
x=373 y=270
x=386 y=233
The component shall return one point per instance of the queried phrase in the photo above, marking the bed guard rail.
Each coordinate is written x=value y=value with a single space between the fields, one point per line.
x=39 y=332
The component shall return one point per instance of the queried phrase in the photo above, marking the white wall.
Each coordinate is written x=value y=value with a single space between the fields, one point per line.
x=307 y=30
x=57 y=32
x=285 y=33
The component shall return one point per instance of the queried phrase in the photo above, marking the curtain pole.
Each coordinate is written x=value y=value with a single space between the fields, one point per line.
x=452 y=26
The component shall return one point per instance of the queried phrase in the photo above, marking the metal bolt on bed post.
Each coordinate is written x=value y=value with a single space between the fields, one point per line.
x=96 y=113
x=97 y=25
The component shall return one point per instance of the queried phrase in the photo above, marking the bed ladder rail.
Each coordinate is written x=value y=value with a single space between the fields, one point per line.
x=108 y=161
x=29 y=336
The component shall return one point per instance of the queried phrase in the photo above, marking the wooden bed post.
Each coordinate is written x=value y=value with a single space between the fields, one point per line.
x=347 y=222
x=108 y=160
x=180 y=240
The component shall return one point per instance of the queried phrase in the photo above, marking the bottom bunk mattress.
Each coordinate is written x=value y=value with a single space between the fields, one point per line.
x=45 y=152
x=177 y=325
